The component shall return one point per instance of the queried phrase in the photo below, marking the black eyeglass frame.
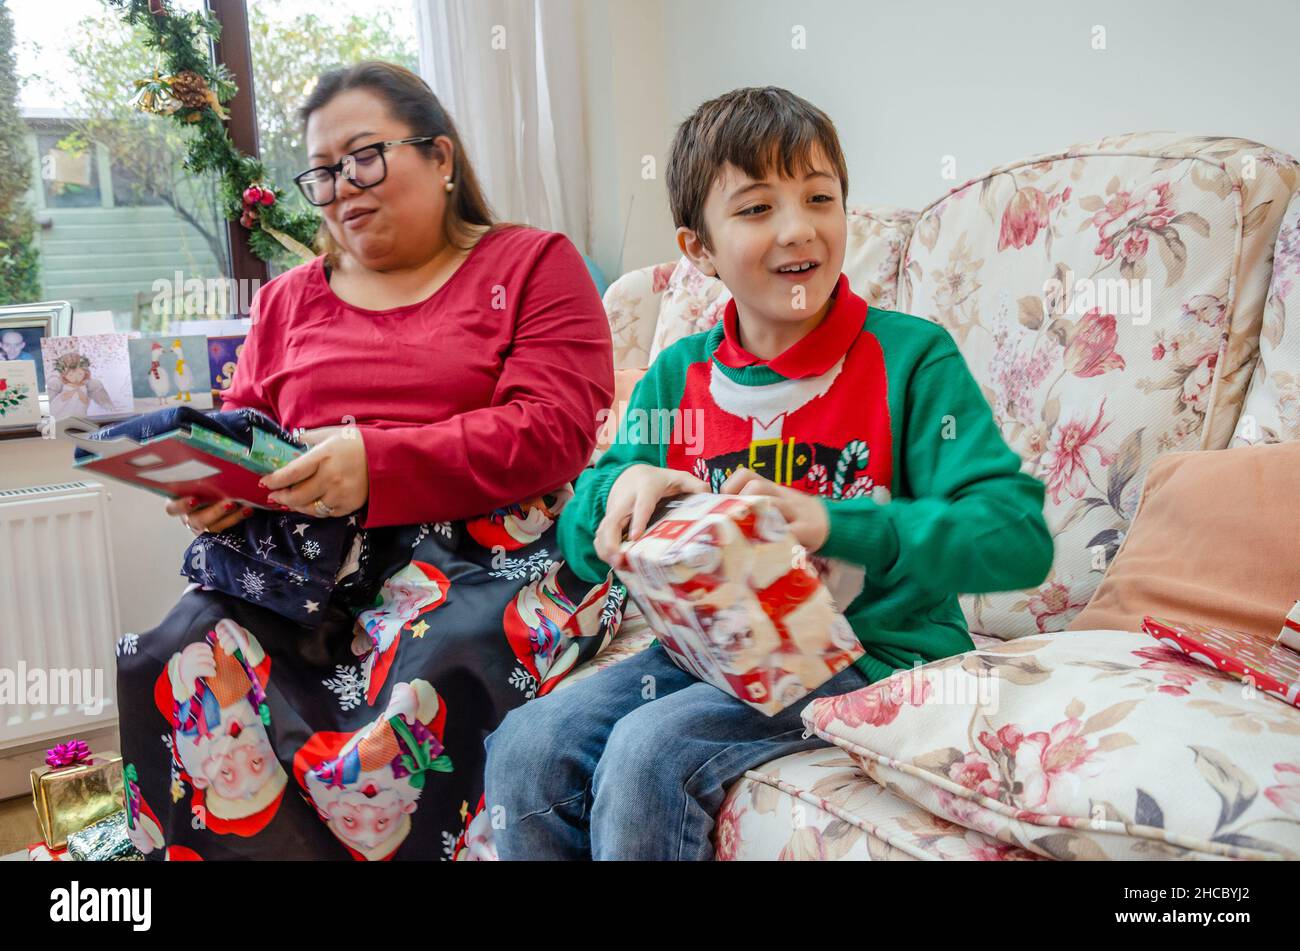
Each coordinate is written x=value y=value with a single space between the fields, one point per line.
x=338 y=167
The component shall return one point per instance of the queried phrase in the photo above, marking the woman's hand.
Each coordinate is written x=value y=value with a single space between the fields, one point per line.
x=632 y=500
x=212 y=517
x=809 y=521
x=333 y=472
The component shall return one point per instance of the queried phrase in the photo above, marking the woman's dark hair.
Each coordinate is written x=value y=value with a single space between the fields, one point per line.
x=411 y=101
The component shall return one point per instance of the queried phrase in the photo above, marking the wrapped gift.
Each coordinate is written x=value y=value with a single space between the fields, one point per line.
x=1290 y=636
x=1271 y=668
x=733 y=600
x=75 y=789
x=40 y=852
x=104 y=841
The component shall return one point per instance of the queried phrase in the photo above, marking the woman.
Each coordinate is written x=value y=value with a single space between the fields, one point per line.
x=447 y=372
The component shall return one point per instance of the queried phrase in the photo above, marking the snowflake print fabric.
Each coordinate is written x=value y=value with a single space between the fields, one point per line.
x=283 y=562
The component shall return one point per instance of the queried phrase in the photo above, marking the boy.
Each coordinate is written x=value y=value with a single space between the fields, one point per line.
x=864 y=426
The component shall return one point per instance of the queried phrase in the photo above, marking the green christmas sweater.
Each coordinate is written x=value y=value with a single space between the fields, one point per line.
x=874 y=412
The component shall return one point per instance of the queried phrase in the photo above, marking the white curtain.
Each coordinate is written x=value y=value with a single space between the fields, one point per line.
x=510 y=74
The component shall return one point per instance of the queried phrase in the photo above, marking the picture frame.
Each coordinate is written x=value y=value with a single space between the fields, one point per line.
x=23 y=326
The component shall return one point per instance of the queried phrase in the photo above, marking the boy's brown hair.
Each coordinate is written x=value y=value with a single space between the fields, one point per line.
x=756 y=129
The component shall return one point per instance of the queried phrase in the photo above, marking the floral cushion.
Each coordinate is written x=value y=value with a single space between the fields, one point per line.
x=632 y=306
x=1272 y=409
x=693 y=301
x=1082 y=745
x=1033 y=269
x=818 y=805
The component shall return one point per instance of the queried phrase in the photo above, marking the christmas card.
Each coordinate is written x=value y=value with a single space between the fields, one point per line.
x=188 y=461
x=223 y=357
x=88 y=376
x=166 y=371
x=20 y=402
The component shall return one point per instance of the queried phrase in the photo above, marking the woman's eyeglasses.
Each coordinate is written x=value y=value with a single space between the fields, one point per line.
x=365 y=168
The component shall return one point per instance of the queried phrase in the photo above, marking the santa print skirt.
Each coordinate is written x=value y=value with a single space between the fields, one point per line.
x=248 y=736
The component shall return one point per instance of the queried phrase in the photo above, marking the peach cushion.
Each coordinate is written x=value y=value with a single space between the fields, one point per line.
x=624 y=382
x=1213 y=541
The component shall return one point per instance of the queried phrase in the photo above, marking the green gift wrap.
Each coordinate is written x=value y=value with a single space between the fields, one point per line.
x=104 y=841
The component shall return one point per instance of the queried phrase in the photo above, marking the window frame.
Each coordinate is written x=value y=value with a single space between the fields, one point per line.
x=235 y=51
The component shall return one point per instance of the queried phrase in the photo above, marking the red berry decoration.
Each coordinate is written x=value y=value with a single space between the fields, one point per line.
x=248 y=219
x=268 y=197
x=252 y=195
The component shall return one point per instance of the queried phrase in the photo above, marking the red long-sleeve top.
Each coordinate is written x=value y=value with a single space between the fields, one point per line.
x=484 y=394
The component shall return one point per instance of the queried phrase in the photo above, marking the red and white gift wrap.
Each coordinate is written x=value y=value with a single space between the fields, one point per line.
x=1290 y=636
x=1270 y=667
x=721 y=582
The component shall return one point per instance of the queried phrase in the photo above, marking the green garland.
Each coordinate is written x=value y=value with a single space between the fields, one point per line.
x=192 y=91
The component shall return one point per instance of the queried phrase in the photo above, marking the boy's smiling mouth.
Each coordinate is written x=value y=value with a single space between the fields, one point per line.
x=797 y=269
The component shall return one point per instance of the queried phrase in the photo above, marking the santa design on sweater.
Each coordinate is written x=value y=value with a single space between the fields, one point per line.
x=826 y=434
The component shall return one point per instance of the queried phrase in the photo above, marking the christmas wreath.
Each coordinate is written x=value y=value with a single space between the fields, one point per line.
x=189 y=88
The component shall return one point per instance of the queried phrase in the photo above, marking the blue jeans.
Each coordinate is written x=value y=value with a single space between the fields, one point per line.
x=631 y=763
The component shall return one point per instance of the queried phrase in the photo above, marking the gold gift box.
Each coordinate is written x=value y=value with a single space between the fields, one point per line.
x=69 y=798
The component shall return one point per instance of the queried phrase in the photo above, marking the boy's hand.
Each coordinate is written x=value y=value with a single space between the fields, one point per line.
x=809 y=521
x=632 y=500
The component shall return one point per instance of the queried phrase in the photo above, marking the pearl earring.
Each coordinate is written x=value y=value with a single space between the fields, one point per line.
x=449 y=184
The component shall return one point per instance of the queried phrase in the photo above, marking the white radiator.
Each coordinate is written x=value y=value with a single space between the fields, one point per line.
x=58 y=613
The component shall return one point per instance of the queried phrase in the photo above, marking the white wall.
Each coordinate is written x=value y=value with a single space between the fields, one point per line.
x=627 y=118
x=147 y=549
x=986 y=83
x=147 y=544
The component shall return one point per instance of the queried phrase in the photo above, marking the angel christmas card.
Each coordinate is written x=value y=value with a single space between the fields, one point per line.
x=88 y=376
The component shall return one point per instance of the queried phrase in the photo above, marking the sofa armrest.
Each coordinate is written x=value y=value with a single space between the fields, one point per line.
x=632 y=306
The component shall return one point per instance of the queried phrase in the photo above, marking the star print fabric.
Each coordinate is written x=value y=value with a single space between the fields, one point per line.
x=287 y=563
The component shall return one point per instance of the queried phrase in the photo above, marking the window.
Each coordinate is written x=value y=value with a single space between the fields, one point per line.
x=293 y=42
x=116 y=211
x=69 y=170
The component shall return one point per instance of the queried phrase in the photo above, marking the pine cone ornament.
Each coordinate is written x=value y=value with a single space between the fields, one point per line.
x=190 y=92
x=190 y=89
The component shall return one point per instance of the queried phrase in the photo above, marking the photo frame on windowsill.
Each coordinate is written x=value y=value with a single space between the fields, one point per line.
x=22 y=327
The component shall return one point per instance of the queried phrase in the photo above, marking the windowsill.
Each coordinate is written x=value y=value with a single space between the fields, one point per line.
x=27 y=432
x=8 y=433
